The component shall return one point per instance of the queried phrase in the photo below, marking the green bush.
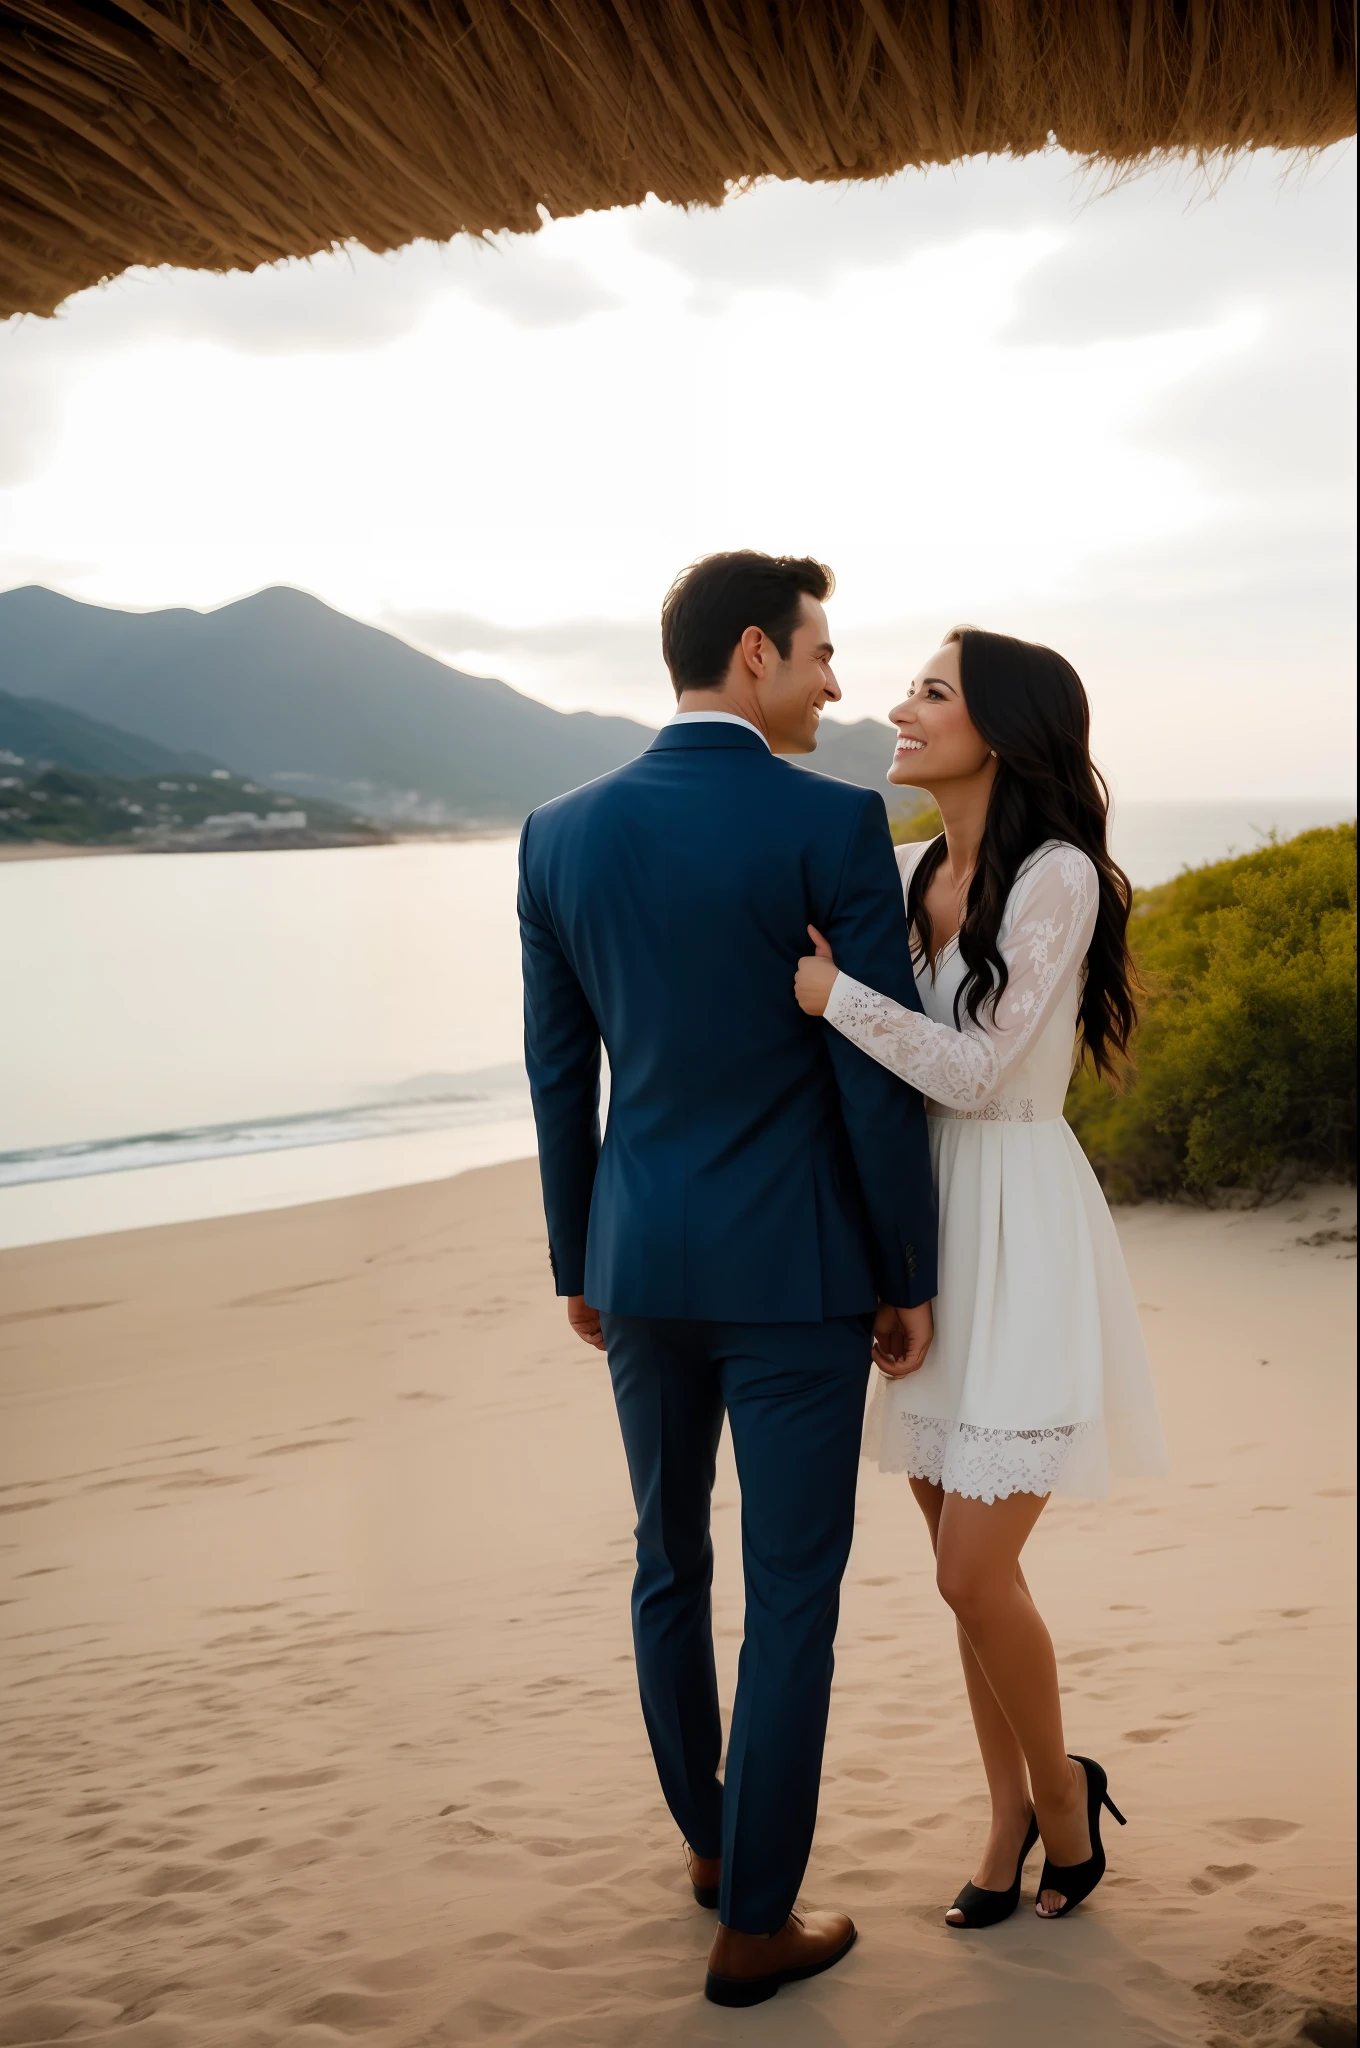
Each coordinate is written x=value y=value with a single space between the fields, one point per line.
x=1243 y=1070
x=921 y=821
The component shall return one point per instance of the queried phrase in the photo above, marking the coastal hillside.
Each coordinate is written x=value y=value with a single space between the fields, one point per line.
x=1242 y=1073
x=48 y=807
x=34 y=734
x=289 y=692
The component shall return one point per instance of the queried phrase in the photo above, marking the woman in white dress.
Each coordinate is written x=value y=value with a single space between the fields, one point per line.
x=1037 y=1381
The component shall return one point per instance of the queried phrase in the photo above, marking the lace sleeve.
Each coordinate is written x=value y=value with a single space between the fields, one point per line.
x=1044 y=935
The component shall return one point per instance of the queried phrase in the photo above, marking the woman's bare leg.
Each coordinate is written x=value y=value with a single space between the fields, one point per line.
x=1003 y=1760
x=977 y=1562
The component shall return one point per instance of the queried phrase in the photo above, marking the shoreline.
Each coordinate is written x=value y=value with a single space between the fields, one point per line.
x=262 y=842
x=1337 y=810
x=322 y=1715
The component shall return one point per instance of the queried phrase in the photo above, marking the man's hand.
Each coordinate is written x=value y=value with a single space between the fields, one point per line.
x=585 y=1320
x=902 y=1337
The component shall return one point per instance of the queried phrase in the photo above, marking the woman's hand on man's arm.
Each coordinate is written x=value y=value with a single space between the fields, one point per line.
x=816 y=977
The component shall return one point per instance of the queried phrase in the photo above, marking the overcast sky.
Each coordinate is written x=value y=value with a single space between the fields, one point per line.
x=1121 y=422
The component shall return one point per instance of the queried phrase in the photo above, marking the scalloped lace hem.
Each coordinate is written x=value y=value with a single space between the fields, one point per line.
x=987 y=1464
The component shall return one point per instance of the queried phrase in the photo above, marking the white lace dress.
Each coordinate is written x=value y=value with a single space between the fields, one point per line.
x=1037 y=1381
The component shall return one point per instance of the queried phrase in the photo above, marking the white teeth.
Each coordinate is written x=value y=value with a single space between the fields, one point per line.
x=910 y=746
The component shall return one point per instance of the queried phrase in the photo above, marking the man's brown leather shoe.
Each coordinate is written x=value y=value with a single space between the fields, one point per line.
x=746 y=1969
x=705 y=1875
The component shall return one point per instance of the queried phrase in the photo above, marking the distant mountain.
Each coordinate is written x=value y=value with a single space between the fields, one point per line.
x=860 y=753
x=295 y=694
x=37 y=733
x=290 y=692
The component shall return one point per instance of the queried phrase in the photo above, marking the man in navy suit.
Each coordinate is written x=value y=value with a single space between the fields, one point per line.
x=759 y=1218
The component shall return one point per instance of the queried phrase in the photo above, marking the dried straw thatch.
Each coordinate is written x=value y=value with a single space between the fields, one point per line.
x=221 y=134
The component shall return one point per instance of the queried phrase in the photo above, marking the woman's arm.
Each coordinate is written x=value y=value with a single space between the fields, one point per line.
x=884 y=1124
x=1046 y=932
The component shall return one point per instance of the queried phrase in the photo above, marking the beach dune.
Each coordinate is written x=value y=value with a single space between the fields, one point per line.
x=319 y=1713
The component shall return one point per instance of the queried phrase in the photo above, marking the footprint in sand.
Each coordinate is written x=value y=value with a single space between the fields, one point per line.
x=395 y=1973
x=64 y=1308
x=1258 y=1829
x=1218 y=1874
x=181 y=1480
x=1296 y=1983
x=181 y=1877
x=53 y=2021
x=873 y=1842
x=314 y=1443
x=350 y=2012
x=863 y=1878
x=301 y=1855
x=57 y=1929
x=280 y=1297
x=289 y=1781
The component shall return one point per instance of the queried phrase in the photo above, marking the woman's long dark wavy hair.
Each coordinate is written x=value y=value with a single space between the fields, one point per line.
x=1030 y=708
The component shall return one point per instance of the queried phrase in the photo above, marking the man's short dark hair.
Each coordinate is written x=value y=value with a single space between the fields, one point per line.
x=710 y=605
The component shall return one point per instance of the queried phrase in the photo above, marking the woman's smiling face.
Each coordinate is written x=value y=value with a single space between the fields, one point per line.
x=937 y=741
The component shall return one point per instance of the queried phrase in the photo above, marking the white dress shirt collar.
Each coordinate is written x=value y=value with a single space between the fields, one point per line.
x=718 y=718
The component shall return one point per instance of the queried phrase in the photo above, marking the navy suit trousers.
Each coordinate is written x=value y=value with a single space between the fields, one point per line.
x=794 y=1397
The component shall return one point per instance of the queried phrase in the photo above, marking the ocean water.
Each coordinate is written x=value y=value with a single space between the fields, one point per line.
x=1154 y=842
x=189 y=1035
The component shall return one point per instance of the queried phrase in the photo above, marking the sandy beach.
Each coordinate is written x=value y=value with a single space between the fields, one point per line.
x=320 y=1720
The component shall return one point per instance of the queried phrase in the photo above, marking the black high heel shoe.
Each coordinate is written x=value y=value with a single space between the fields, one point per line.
x=988 y=1909
x=1077 y=1881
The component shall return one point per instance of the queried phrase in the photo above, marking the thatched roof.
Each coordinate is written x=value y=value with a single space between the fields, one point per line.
x=221 y=134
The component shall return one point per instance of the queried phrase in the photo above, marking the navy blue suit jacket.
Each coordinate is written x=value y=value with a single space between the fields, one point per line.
x=757 y=1167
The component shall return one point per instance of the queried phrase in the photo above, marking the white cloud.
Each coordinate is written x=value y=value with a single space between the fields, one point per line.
x=345 y=304
x=1177 y=248
x=802 y=237
x=1114 y=420
x=604 y=664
